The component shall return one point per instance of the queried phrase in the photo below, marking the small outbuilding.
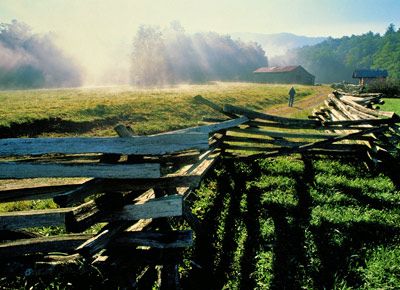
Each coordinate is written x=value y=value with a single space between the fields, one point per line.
x=366 y=76
x=284 y=75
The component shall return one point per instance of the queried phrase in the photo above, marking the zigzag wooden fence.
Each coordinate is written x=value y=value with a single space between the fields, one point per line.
x=137 y=183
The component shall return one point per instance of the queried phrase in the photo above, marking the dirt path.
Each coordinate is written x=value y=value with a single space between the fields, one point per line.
x=304 y=104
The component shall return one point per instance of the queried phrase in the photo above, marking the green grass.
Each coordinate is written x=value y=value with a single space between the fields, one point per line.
x=94 y=111
x=392 y=105
x=296 y=223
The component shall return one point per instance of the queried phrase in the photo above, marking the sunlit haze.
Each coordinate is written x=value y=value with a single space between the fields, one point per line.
x=99 y=33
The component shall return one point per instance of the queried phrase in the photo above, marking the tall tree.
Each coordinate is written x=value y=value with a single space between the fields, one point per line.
x=148 y=62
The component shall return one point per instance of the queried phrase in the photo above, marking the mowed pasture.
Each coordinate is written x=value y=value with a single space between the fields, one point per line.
x=295 y=222
x=95 y=111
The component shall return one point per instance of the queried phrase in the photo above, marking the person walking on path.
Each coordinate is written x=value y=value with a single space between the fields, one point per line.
x=292 y=92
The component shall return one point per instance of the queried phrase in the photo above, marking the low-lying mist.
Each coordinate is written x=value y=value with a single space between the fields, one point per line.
x=30 y=60
x=158 y=56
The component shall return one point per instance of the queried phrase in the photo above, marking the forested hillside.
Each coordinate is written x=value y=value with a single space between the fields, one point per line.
x=335 y=59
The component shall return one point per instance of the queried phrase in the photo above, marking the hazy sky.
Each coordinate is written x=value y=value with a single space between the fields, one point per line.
x=98 y=33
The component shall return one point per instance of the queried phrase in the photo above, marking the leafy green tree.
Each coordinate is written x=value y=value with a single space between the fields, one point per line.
x=335 y=60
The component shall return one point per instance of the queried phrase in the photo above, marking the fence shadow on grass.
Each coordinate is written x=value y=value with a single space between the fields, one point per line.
x=290 y=257
x=306 y=253
x=202 y=275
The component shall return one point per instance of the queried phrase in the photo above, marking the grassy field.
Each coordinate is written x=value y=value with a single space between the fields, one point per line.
x=391 y=105
x=285 y=223
x=95 y=111
x=296 y=223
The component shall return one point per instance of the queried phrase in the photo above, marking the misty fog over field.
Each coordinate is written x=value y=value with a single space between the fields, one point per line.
x=29 y=60
x=97 y=43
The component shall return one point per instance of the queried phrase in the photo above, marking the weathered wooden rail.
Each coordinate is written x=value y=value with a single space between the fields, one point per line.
x=347 y=125
x=135 y=185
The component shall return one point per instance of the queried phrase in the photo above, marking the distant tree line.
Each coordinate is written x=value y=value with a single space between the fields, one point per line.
x=335 y=60
x=170 y=55
x=30 y=60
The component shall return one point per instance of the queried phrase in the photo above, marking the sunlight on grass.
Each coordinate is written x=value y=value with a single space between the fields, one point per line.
x=146 y=110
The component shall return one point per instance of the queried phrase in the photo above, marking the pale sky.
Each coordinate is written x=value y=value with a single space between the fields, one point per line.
x=98 y=33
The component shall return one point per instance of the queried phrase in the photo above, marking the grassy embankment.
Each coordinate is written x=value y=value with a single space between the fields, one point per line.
x=291 y=222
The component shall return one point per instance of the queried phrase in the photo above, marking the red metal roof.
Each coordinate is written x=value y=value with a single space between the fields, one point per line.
x=276 y=69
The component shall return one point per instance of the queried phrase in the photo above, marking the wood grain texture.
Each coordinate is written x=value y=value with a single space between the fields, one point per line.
x=43 y=244
x=154 y=208
x=33 y=218
x=140 y=145
x=257 y=115
x=13 y=170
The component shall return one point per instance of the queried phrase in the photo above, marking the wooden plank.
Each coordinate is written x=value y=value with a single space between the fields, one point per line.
x=277 y=142
x=33 y=218
x=64 y=244
x=341 y=107
x=363 y=101
x=107 y=234
x=154 y=208
x=123 y=131
x=327 y=147
x=171 y=180
x=372 y=122
x=76 y=195
x=140 y=145
x=35 y=193
x=365 y=110
x=213 y=106
x=205 y=163
x=93 y=211
x=211 y=128
x=282 y=125
x=14 y=170
x=356 y=135
x=213 y=120
x=101 y=240
x=249 y=148
x=257 y=115
x=359 y=114
x=161 y=240
x=116 y=185
x=338 y=114
x=279 y=134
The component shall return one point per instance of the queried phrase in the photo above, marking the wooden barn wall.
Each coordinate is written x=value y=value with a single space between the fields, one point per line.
x=294 y=77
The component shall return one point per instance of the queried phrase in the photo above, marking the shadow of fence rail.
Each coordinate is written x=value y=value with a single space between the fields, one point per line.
x=136 y=185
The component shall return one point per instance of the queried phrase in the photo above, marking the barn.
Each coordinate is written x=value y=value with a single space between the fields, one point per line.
x=284 y=75
x=366 y=76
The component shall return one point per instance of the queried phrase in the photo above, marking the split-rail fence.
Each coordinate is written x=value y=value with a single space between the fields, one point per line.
x=120 y=218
